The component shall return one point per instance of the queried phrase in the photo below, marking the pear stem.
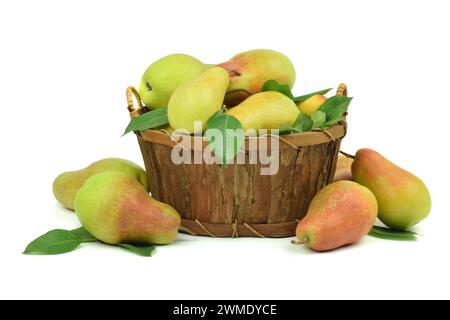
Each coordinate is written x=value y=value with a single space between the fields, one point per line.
x=234 y=73
x=297 y=242
x=348 y=155
x=239 y=90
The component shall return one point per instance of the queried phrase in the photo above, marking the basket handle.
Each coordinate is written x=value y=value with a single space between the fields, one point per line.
x=130 y=93
x=342 y=90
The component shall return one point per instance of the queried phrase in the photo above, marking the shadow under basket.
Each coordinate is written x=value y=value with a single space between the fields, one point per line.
x=236 y=200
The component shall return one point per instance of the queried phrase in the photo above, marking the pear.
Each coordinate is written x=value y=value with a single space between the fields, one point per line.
x=343 y=168
x=163 y=76
x=67 y=184
x=340 y=214
x=265 y=110
x=197 y=100
x=250 y=70
x=403 y=199
x=310 y=105
x=115 y=208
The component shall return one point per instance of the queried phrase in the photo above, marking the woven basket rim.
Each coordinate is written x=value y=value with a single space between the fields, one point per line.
x=297 y=139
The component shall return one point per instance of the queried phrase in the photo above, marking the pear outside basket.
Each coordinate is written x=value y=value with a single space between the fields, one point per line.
x=235 y=200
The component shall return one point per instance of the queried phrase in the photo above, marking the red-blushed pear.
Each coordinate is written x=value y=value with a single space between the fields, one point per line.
x=340 y=214
x=67 y=184
x=403 y=199
x=310 y=105
x=115 y=209
x=343 y=168
x=250 y=70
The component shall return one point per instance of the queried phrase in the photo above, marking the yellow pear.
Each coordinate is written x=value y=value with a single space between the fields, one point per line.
x=163 y=76
x=403 y=199
x=197 y=100
x=67 y=184
x=265 y=110
x=310 y=105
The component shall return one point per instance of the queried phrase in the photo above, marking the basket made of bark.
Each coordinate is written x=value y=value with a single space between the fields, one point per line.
x=236 y=200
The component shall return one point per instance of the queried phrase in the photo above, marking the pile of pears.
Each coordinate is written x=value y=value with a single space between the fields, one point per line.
x=111 y=196
x=194 y=91
x=111 y=199
x=366 y=186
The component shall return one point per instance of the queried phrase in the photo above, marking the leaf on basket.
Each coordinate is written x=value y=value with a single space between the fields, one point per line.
x=225 y=136
x=307 y=123
x=217 y=114
x=318 y=118
x=331 y=123
x=273 y=85
x=54 y=242
x=306 y=96
x=335 y=107
x=285 y=129
x=148 y=120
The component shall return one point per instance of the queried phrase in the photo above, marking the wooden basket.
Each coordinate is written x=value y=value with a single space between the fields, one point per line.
x=235 y=200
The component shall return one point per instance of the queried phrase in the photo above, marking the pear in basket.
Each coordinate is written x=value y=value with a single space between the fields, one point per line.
x=115 y=208
x=403 y=198
x=67 y=184
x=163 y=76
x=250 y=70
x=340 y=214
x=265 y=110
x=197 y=100
x=310 y=105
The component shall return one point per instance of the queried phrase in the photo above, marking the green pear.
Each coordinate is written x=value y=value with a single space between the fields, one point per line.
x=340 y=214
x=115 y=208
x=265 y=110
x=67 y=184
x=197 y=100
x=403 y=199
x=163 y=76
x=251 y=69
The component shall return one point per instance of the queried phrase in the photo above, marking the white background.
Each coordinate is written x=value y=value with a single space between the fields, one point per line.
x=64 y=67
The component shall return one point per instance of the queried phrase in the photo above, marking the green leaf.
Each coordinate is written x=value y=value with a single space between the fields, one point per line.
x=54 y=242
x=335 y=107
x=148 y=120
x=84 y=235
x=307 y=123
x=216 y=115
x=273 y=85
x=285 y=129
x=306 y=96
x=298 y=123
x=318 y=118
x=331 y=123
x=391 y=234
x=225 y=136
x=142 y=250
